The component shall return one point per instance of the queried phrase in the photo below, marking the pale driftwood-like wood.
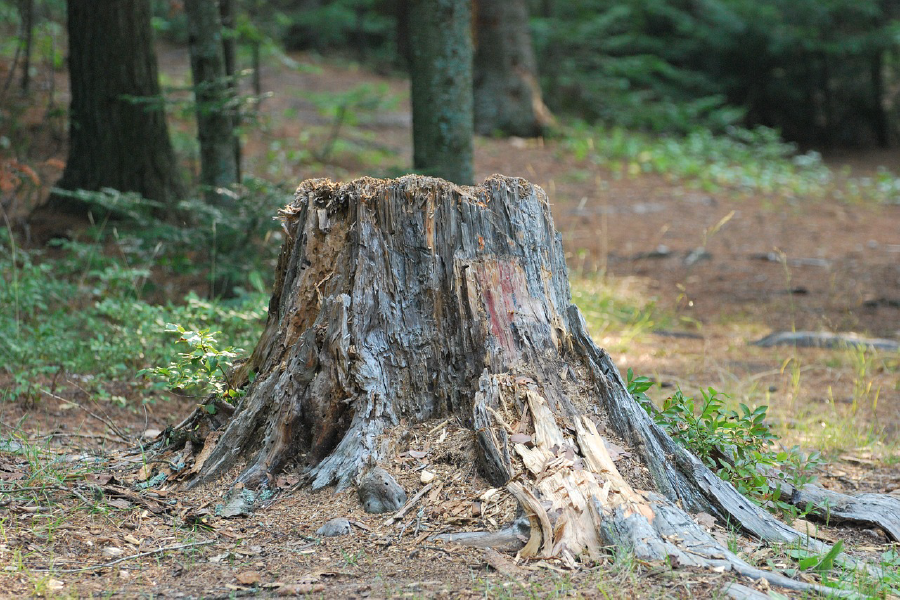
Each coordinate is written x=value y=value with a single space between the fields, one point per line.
x=823 y=339
x=417 y=299
x=874 y=510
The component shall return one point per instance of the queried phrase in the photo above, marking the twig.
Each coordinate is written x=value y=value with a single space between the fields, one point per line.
x=124 y=558
x=438 y=548
x=402 y=512
x=44 y=488
x=103 y=420
x=94 y=436
x=37 y=488
x=75 y=493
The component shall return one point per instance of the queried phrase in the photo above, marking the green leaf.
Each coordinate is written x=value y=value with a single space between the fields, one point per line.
x=211 y=408
x=827 y=562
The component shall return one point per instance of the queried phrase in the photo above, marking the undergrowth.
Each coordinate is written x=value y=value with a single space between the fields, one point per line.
x=737 y=445
x=85 y=309
x=742 y=160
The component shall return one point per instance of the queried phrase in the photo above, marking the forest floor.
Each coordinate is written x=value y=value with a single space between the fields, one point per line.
x=698 y=276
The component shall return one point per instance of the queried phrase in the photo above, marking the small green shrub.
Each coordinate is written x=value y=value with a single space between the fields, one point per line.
x=737 y=446
x=203 y=368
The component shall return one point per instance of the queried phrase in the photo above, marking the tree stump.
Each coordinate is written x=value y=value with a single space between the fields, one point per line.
x=416 y=299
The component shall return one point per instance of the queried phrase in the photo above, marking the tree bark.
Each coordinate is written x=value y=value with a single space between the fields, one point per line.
x=415 y=299
x=214 y=98
x=26 y=10
x=227 y=12
x=507 y=90
x=117 y=124
x=441 y=74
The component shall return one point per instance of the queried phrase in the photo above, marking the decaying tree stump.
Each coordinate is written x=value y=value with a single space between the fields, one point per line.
x=416 y=299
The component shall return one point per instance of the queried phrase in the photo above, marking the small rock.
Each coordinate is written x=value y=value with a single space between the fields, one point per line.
x=112 y=551
x=427 y=477
x=240 y=504
x=151 y=434
x=380 y=493
x=335 y=527
x=696 y=255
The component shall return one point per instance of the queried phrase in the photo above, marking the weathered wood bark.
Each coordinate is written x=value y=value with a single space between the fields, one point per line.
x=214 y=99
x=507 y=91
x=441 y=75
x=416 y=299
x=117 y=126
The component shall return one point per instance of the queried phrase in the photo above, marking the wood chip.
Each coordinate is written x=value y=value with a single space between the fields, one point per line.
x=502 y=564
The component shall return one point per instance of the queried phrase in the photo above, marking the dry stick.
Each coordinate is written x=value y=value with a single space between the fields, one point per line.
x=124 y=558
x=402 y=512
x=90 y=436
x=103 y=420
x=44 y=488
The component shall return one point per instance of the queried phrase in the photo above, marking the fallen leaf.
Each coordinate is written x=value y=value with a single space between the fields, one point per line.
x=144 y=472
x=361 y=525
x=286 y=481
x=208 y=447
x=705 y=519
x=55 y=584
x=150 y=434
x=248 y=577
x=812 y=530
x=298 y=589
x=98 y=478
x=502 y=564
x=615 y=451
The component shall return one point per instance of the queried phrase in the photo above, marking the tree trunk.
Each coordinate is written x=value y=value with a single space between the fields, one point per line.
x=441 y=74
x=401 y=301
x=880 y=120
x=26 y=10
x=227 y=12
x=117 y=123
x=507 y=90
x=214 y=98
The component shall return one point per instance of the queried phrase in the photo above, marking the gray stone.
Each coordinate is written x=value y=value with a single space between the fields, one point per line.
x=380 y=493
x=335 y=527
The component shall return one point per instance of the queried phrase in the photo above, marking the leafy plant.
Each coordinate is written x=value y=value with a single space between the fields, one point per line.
x=203 y=368
x=737 y=445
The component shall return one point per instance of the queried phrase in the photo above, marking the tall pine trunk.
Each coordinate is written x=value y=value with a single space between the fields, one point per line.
x=117 y=125
x=507 y=90
x=441 y=74
x=214 y=98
